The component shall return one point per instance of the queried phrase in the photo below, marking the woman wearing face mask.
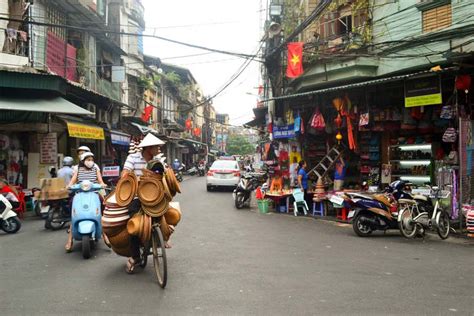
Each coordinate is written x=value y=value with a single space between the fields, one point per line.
x=86 y=170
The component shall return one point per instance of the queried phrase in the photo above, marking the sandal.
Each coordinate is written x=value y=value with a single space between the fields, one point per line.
x=131 y=264
x=68 y=246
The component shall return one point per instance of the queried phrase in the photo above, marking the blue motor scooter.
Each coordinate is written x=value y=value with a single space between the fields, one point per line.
x=86 y=215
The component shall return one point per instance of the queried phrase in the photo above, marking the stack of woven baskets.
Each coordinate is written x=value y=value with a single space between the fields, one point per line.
x=154 y=190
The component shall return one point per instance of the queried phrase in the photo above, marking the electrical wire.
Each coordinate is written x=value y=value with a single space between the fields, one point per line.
x=101 y=33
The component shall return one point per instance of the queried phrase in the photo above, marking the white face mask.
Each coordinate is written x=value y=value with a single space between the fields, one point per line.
x=89 y=164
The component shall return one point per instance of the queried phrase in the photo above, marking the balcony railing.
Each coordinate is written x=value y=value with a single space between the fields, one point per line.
x=109 y=89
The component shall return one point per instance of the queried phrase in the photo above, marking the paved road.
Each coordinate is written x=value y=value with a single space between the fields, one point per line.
x=229 y=262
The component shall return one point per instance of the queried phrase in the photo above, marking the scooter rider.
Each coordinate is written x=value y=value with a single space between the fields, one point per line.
x=86 y=170
x=66 y=172
x=135 y=163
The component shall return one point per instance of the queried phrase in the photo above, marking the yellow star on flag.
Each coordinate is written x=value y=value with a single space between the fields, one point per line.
x=295 y=60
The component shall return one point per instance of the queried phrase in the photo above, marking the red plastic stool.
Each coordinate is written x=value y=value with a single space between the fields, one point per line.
x=341 y=213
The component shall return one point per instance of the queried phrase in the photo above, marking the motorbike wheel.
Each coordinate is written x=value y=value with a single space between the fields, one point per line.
x=86 y=247
x=239 y=201
x=407 y=226
x=11 y=225
x=360 y=228
x=38 y=208
x=52 y=219
x=442 y=219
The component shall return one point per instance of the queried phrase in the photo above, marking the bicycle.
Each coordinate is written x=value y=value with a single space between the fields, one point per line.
x=411 y=221
x=156 y=247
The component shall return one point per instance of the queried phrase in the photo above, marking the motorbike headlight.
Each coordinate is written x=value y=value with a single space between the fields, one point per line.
x=86 y=185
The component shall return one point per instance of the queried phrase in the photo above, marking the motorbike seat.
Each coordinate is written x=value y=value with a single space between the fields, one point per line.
x=406 y=201
x=382 y=199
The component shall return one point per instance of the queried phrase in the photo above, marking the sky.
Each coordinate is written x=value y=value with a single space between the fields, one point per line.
x=221 y=24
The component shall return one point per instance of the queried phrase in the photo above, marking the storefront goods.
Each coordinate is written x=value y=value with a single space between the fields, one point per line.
x=319 y=192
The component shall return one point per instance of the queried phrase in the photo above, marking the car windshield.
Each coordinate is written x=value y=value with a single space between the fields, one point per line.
x=224 y=164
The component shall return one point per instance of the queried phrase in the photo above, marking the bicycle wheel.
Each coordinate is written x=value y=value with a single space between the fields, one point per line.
x=442 y=220
x=159 y=256
x=406 y=224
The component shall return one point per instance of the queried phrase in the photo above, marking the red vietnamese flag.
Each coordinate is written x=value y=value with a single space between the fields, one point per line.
x=295 y=60
x=147 y=113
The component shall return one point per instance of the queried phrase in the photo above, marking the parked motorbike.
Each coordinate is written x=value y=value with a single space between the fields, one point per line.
x=179 y=174
x=86 y=216
x=243 y=193
x=9 y=221
x=201 y=170
x=372 y=212
x=192 y=171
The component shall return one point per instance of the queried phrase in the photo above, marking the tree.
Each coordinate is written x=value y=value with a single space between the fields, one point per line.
x=239 y=145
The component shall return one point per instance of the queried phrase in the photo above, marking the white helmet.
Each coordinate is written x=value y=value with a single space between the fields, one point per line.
x=176 y=160
x=85 y=155
x=83 y=148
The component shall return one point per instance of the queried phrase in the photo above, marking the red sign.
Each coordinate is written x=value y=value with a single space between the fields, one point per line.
x=61 y=57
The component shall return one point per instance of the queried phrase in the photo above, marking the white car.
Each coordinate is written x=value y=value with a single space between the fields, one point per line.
x=223 y=173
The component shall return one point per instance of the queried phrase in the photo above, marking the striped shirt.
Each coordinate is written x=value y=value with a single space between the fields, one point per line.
x=87 y=174
x=135 y=162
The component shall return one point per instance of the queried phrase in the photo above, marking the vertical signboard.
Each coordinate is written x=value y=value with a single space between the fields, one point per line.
x=49 y=149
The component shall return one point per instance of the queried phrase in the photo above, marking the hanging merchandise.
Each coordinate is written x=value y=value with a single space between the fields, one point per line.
x=446 y=112
x=302 y=126
x=364 y=119
x=317 y=120
x=463 y=82
x=449 y=135
x=289 y=117
x=298 y=124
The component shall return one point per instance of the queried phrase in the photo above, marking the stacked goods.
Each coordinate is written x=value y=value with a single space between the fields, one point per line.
x=116 y=214
x=319 y=193
x=148 y=197
x=469 y=213
x=53 y=189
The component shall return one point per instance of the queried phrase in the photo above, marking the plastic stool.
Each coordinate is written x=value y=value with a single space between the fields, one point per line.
x=342 y=213
x=320 y=209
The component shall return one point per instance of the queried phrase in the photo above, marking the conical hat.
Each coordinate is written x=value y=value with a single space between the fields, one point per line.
x=151 y=140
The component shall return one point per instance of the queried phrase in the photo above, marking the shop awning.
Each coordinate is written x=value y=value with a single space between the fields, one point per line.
x=119 y=138
x=363 y=83
x=85 y=131
x=194 y=142
x=51 y=105
x=255 y=122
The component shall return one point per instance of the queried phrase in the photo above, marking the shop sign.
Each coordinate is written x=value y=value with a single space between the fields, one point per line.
x=49 y=149
x=287 y=131
x=423 y=91
x=111 y=171
x=120 y=139
x=85 y=131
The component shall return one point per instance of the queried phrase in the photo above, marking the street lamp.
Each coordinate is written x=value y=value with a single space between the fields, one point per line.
x=276 y=8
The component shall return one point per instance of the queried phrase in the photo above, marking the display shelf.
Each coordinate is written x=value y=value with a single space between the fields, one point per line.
x=406 y=147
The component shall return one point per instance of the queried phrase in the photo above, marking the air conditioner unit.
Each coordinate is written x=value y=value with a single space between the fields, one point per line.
x=91 y=108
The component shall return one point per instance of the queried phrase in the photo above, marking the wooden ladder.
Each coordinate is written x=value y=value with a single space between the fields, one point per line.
x=328 y=161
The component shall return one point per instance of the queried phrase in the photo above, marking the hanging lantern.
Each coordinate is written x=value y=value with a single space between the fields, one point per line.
x=339 y=137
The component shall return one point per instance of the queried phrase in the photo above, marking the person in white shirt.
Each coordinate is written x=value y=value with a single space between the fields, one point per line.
x=135 y=163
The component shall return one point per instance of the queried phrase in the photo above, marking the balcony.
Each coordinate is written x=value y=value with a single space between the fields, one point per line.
x=15 y=50
x=109 y=89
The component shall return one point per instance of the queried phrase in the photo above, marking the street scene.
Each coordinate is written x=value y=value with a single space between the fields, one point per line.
x=265 y=157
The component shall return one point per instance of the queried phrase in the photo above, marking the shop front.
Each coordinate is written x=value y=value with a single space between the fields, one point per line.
x=409 y=127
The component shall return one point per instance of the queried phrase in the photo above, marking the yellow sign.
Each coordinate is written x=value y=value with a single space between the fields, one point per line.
x=85 y=131
x=423 y=100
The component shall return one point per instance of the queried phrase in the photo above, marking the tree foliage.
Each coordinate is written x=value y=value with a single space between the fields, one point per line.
x=239 y=145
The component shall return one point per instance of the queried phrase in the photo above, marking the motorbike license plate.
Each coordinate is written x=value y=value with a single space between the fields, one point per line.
x=351 y=214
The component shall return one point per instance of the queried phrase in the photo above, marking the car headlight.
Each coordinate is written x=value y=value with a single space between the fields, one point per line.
x=86 y=185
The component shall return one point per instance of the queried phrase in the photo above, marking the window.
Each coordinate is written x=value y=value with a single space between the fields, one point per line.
x=437 y=18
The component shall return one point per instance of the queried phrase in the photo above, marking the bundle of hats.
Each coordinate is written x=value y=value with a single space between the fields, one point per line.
x=154 y=190
x=319 y=193
x=134 y=147
x=114 y=223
